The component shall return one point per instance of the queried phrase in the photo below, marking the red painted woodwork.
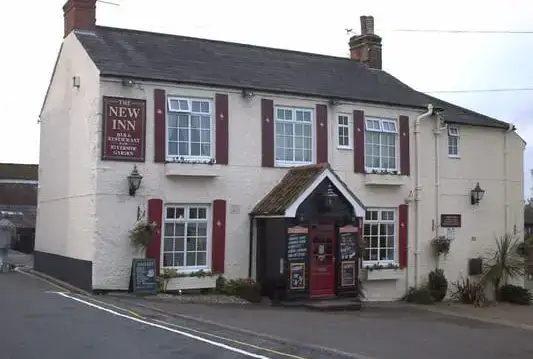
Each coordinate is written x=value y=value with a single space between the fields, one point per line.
x=221 y=129
x=359 y=141
x=405 y=167
x=155 y=214
x=219 y=236
x=267 y=133
x=322 y=260
x=160 y=127
x=321 y=133
x=403 y=211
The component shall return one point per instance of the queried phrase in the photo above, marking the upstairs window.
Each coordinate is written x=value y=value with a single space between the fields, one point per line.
x=453 y=141
x=294 y=136
x=343 y=132
x=381 y=144
x=189 y=128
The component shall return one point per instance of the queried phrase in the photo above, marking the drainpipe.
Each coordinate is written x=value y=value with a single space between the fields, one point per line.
x=250 y=243
x=437 y=132
x=418 y=189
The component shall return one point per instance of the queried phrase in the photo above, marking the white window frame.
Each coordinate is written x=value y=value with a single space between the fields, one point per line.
x=209 y=244
x=283 y=163
x=348 y=127
x=369 y=263
x=378 y=124
x=171 y=100
x=454 y=132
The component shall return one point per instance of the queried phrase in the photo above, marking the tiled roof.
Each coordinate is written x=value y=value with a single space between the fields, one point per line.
x=19 y=171
x=18 y=194
x=179 y=59
x=291 y=186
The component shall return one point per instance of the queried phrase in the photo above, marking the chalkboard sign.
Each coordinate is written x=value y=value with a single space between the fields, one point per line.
x=297 y=275
x=348 y=274
x=347 y=245
x=143 y=276
x=297 y=247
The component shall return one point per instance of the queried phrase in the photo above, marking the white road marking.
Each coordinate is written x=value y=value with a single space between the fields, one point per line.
x=185 y=334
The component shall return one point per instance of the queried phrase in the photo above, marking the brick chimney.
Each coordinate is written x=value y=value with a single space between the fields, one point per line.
x=366 y=47
x=79 y=14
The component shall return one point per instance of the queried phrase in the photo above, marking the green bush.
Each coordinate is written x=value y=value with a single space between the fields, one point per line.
x=438 y=285
x=469 y=291
x=421 y=295
x=245 y=288
x=515 y=294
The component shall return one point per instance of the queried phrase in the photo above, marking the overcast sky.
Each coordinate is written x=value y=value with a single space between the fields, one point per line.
x=32 y=32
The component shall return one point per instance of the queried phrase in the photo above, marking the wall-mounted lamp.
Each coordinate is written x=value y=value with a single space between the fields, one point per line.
x=247 y=93
x=134 y=181
x=476 y=194
x=128 y=82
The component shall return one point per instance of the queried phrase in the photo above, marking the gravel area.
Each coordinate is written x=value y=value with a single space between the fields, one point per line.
x=199 y=298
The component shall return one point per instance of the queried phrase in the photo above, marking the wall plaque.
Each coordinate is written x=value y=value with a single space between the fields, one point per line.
x=450 y=220
x=124 y=129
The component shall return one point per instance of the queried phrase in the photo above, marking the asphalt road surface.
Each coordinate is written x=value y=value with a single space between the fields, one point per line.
x=40 y=321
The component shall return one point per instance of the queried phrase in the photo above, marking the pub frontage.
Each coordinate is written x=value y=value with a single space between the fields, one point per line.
x=307 y=231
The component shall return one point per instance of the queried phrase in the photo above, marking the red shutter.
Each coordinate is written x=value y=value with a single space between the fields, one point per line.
x=404 y=146
x=402 y=235
x=219 y=236
x=359 y=141
x=267 y=133
x=222 y=129
x=160 y=105
x=155 y=214
x=321 y=133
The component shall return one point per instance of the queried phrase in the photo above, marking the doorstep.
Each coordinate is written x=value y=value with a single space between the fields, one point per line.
x=330 y=304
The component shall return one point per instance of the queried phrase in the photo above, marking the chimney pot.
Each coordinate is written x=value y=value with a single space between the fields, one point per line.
x=79 y=14
x=367 y=25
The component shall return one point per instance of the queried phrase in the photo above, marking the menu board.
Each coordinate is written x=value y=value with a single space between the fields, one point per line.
x=297 y=276
x=143 y=276
x=347 y=273
x=297 y=247
x=347 y=245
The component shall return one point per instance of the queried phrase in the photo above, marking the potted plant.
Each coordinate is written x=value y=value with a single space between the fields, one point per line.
x=441 y=245
x=142 y=233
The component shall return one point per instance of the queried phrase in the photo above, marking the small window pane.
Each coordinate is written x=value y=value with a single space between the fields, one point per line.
x=184 y=105
x=193 y=213
x=202 y=213
x=179 y=229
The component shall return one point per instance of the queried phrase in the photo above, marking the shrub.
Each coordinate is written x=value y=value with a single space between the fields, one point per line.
x=421 y=295
x=515 y=294
x=245 y=288
x=438 y=285
x=469 y=292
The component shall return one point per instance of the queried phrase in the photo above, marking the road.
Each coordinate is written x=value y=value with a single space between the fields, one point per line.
x=42 y=321
x=38 y=321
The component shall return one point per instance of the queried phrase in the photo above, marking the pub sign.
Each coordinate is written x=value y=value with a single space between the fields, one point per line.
x=124 y=129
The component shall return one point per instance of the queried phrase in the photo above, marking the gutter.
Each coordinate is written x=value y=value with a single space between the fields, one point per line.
x=418 y=189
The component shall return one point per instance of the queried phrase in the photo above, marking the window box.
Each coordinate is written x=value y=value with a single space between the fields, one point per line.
x=385 y=179
x=192 y=169
x=384 y=274
x=191 y=283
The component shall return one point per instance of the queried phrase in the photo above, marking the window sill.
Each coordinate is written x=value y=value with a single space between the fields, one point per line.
x=383 y=274
x=291 y=164
x=456 y=157
x=191 y=283
x=345 y=148
x=192 y=169
x=386 y=179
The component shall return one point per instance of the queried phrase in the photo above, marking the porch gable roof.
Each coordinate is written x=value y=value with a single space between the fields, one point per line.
x=297 y=184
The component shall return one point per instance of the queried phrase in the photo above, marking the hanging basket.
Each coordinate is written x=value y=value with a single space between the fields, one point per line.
x=441 y=245
x=142 y=234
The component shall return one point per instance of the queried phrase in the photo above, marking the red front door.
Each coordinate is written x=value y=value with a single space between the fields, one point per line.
x=322 y=260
